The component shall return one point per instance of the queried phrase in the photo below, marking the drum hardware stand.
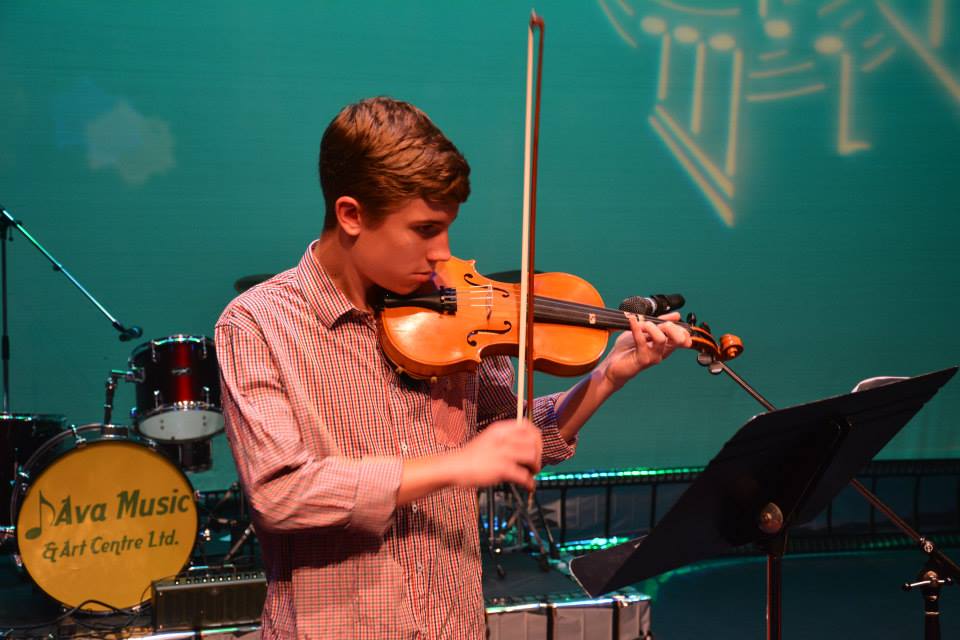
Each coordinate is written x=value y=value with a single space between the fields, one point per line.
x=523 y=517
x=206 y=531
x=111 y=388
x=239 y=543
x=930 y=581
x=523 y=520
x=8 y=222
x=929 y=584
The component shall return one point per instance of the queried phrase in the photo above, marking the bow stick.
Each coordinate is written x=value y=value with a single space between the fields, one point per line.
x=528 y=236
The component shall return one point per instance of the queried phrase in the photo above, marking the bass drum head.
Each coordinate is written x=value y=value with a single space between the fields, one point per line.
x=103 y=521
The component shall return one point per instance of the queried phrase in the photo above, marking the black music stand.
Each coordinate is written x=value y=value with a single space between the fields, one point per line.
x=779 y=470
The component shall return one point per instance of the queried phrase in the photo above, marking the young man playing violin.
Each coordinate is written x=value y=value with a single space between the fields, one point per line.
x=361 y=480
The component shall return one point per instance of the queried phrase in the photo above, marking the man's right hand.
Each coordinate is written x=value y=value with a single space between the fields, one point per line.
x=503 y=452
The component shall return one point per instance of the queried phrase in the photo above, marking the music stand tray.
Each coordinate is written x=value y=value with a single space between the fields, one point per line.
x=779 y=470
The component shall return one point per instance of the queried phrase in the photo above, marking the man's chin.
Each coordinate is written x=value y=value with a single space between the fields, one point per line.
x=410 y=288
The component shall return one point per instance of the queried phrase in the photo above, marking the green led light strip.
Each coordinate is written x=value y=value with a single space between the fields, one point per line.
x=636 y=472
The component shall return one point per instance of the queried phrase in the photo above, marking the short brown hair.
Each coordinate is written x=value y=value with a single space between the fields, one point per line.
x=384 y=152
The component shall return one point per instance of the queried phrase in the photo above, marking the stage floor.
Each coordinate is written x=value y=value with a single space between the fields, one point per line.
x=828 y=597
x=833 y=596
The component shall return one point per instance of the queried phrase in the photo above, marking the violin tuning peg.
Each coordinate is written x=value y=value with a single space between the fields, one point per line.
x=692 y=319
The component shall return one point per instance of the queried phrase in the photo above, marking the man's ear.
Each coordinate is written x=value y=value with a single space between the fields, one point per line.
x=349 y=215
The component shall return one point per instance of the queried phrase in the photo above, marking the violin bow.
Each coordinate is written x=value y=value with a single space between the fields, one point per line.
x=531 y=143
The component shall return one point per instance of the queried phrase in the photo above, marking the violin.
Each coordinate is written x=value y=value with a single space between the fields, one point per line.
x=465 y=317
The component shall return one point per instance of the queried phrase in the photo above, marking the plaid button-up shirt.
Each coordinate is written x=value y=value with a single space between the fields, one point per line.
x=319 y=424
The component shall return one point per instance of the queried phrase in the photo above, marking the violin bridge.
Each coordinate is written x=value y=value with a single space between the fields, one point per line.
x=592 y=318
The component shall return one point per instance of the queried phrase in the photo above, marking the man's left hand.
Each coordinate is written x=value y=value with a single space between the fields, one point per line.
x=645 y=345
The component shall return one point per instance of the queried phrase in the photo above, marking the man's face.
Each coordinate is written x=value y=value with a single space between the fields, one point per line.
x=401 y=252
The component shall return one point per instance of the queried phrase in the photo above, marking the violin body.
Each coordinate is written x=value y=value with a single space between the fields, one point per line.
x=434 y=335
x=464 y=317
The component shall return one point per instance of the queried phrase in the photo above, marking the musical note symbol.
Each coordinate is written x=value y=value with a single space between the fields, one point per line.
x=36 y=531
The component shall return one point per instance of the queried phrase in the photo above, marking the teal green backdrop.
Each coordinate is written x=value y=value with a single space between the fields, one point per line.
x=790 y=167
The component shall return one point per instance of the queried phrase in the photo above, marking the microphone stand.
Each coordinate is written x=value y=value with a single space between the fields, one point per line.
x=938 y=572
x=8 y=222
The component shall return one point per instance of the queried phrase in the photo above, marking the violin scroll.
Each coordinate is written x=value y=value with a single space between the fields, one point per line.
x=727 y=348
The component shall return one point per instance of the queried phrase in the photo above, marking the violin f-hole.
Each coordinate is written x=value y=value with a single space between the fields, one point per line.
x=507 y=328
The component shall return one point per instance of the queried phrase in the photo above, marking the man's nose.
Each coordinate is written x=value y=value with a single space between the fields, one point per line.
x=439 y=249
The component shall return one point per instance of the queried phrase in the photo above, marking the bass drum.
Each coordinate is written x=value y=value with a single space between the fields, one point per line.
x=20 y=435
x=100 y=515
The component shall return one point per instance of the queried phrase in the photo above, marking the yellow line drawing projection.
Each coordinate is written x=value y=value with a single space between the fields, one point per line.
x=721 y=63
x=730 y=163
x=853 y=20
x=696 y=113
x=933 y=62
x=871 y=65
x=719 y=204
x=617 y=26
x=783 y=95
x=734 y=11
x=722 y=181
x=872 y=41
x=664 y=68
x=783 y=71
x=845 y=145
x=830 y=7
x=935 y=29
x=773 y=55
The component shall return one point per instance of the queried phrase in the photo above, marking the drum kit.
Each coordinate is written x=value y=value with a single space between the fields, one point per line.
x=98 y=512
x=94 y=514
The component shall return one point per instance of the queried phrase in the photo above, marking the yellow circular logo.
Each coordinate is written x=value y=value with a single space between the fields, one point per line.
x=103 y=522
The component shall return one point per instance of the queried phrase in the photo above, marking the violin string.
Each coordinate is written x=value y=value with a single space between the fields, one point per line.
x=559 y=307
x=565 y=314
x=612 y=317
x=555 y=305
x=564 y=319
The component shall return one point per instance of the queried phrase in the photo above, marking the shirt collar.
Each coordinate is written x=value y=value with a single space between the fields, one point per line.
x=329 y=303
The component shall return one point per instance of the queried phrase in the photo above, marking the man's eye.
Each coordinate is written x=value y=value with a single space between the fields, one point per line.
x=427 y=230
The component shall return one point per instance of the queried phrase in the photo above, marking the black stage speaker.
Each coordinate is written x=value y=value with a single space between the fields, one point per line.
x=212 y=600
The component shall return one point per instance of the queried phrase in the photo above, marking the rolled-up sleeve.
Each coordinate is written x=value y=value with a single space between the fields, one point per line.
x=289 y=487
x=496 y=400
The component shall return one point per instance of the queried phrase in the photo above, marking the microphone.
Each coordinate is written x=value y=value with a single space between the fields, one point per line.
x=655 y=305
x=130 y=333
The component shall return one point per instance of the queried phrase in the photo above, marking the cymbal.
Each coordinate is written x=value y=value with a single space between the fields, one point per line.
x=245 y=282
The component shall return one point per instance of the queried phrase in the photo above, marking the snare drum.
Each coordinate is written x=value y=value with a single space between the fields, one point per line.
x=100 y=515
x=20 y=435
x=178 y=389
